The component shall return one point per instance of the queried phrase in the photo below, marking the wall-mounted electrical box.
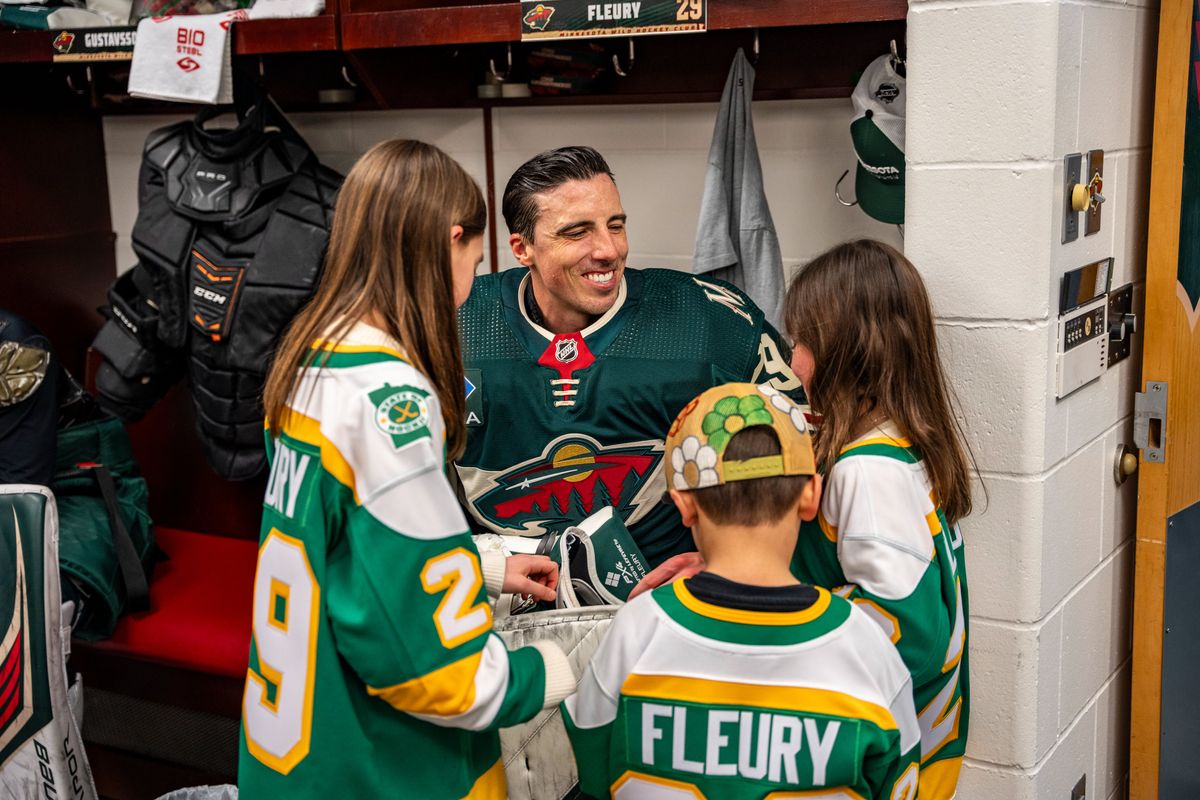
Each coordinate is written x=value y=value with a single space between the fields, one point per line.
x=1122 y=323
x=1083 y=326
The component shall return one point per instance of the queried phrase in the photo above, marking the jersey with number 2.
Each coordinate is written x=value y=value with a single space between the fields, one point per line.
x=374 y=670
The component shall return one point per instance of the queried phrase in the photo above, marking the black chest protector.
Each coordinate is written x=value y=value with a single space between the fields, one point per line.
x=230 y=237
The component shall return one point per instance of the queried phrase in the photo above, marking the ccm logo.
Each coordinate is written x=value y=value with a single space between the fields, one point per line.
x=212 y=297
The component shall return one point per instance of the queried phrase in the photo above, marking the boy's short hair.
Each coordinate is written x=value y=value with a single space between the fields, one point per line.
x=752 y=502
x=745 y=451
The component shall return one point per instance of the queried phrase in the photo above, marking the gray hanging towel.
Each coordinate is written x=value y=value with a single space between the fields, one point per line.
x=736 y=239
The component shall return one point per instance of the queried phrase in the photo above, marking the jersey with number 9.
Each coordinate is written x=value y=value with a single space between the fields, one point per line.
x=373 y=668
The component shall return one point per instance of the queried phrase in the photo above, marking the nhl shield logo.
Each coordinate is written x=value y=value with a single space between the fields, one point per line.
x=566 y=350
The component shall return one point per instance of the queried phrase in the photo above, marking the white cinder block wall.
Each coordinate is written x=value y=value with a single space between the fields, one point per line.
x=1000 y=91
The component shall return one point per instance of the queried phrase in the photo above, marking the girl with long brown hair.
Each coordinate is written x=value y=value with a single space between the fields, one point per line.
x=374 y=670
x=896 y=477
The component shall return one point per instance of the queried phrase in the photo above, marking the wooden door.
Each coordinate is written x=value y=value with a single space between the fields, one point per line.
x=1165 y=703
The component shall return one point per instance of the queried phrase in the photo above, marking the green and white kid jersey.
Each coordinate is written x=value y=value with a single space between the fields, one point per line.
x=881 y=541
x=374 y=670
x=561 y=425
x=688 y=699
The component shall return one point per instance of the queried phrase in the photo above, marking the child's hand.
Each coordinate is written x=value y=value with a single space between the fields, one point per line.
x=531 y=575
x=684 y=565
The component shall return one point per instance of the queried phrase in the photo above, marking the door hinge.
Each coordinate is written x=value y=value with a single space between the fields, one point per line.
x=1150 y=421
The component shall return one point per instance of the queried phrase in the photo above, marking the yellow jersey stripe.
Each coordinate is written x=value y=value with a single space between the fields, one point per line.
x=446 y=692
x=308 y=430
x=784 y=698
x=830 y=531
x=740 y=616
x=901 y=442
x=339 y=347
x=491 y=785
x=676 y=789
x=939 y=780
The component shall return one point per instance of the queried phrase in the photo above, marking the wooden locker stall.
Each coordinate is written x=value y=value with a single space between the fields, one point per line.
x=56 y=252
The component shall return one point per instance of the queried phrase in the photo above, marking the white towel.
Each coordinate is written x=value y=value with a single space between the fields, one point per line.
x=281 y=9
x=185 y=59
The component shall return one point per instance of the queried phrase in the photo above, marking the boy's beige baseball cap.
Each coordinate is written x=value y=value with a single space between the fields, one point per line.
x=697 y=439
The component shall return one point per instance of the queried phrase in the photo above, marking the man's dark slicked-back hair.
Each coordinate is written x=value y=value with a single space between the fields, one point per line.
x=542 y=173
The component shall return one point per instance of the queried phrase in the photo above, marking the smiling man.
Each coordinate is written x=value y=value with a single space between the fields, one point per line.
x=576 y=365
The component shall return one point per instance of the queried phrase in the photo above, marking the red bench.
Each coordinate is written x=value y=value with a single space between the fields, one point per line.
x=163 y=695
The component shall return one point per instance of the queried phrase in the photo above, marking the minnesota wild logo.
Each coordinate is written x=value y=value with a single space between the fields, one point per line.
x=538 y=17
x=573 y=477
x=401 y=412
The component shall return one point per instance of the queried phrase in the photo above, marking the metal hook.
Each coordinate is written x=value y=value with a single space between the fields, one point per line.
x=897 y=61
x=346 y=78
x=754 y=49
x=71 y=83
x=837 y=191
x=507 y=72
x=628 y=67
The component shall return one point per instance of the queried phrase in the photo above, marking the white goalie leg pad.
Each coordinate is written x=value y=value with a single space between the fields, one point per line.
x=538 y=761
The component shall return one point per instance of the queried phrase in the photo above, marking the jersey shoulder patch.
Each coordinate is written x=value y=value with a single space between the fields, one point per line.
x=401 y=412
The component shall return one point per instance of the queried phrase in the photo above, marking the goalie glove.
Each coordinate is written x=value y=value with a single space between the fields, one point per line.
x=599 y=563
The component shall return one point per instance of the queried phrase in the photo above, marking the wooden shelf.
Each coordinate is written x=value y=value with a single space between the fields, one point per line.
x=796 y=62
x=369 y=24
x=257 y=37
x=434 y=53
x=25 y=47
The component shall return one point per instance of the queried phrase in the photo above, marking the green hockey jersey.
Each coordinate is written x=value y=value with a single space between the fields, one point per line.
x=374 y=670
x=881 y=541
x=561 y=425
x=687 y=698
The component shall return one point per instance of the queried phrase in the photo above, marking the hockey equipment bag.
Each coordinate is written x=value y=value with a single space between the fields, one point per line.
x=106 y=548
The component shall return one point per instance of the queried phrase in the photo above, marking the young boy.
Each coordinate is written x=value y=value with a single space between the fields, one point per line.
x=741 y=682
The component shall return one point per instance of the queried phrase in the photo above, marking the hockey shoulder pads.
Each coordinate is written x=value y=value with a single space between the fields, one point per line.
x=193 y=177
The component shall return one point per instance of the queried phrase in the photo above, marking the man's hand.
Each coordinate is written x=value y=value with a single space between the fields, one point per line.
x=684 y=565
x=531 y=575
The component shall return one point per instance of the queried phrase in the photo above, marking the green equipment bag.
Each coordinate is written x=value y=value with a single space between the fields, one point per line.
x=106 y=538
